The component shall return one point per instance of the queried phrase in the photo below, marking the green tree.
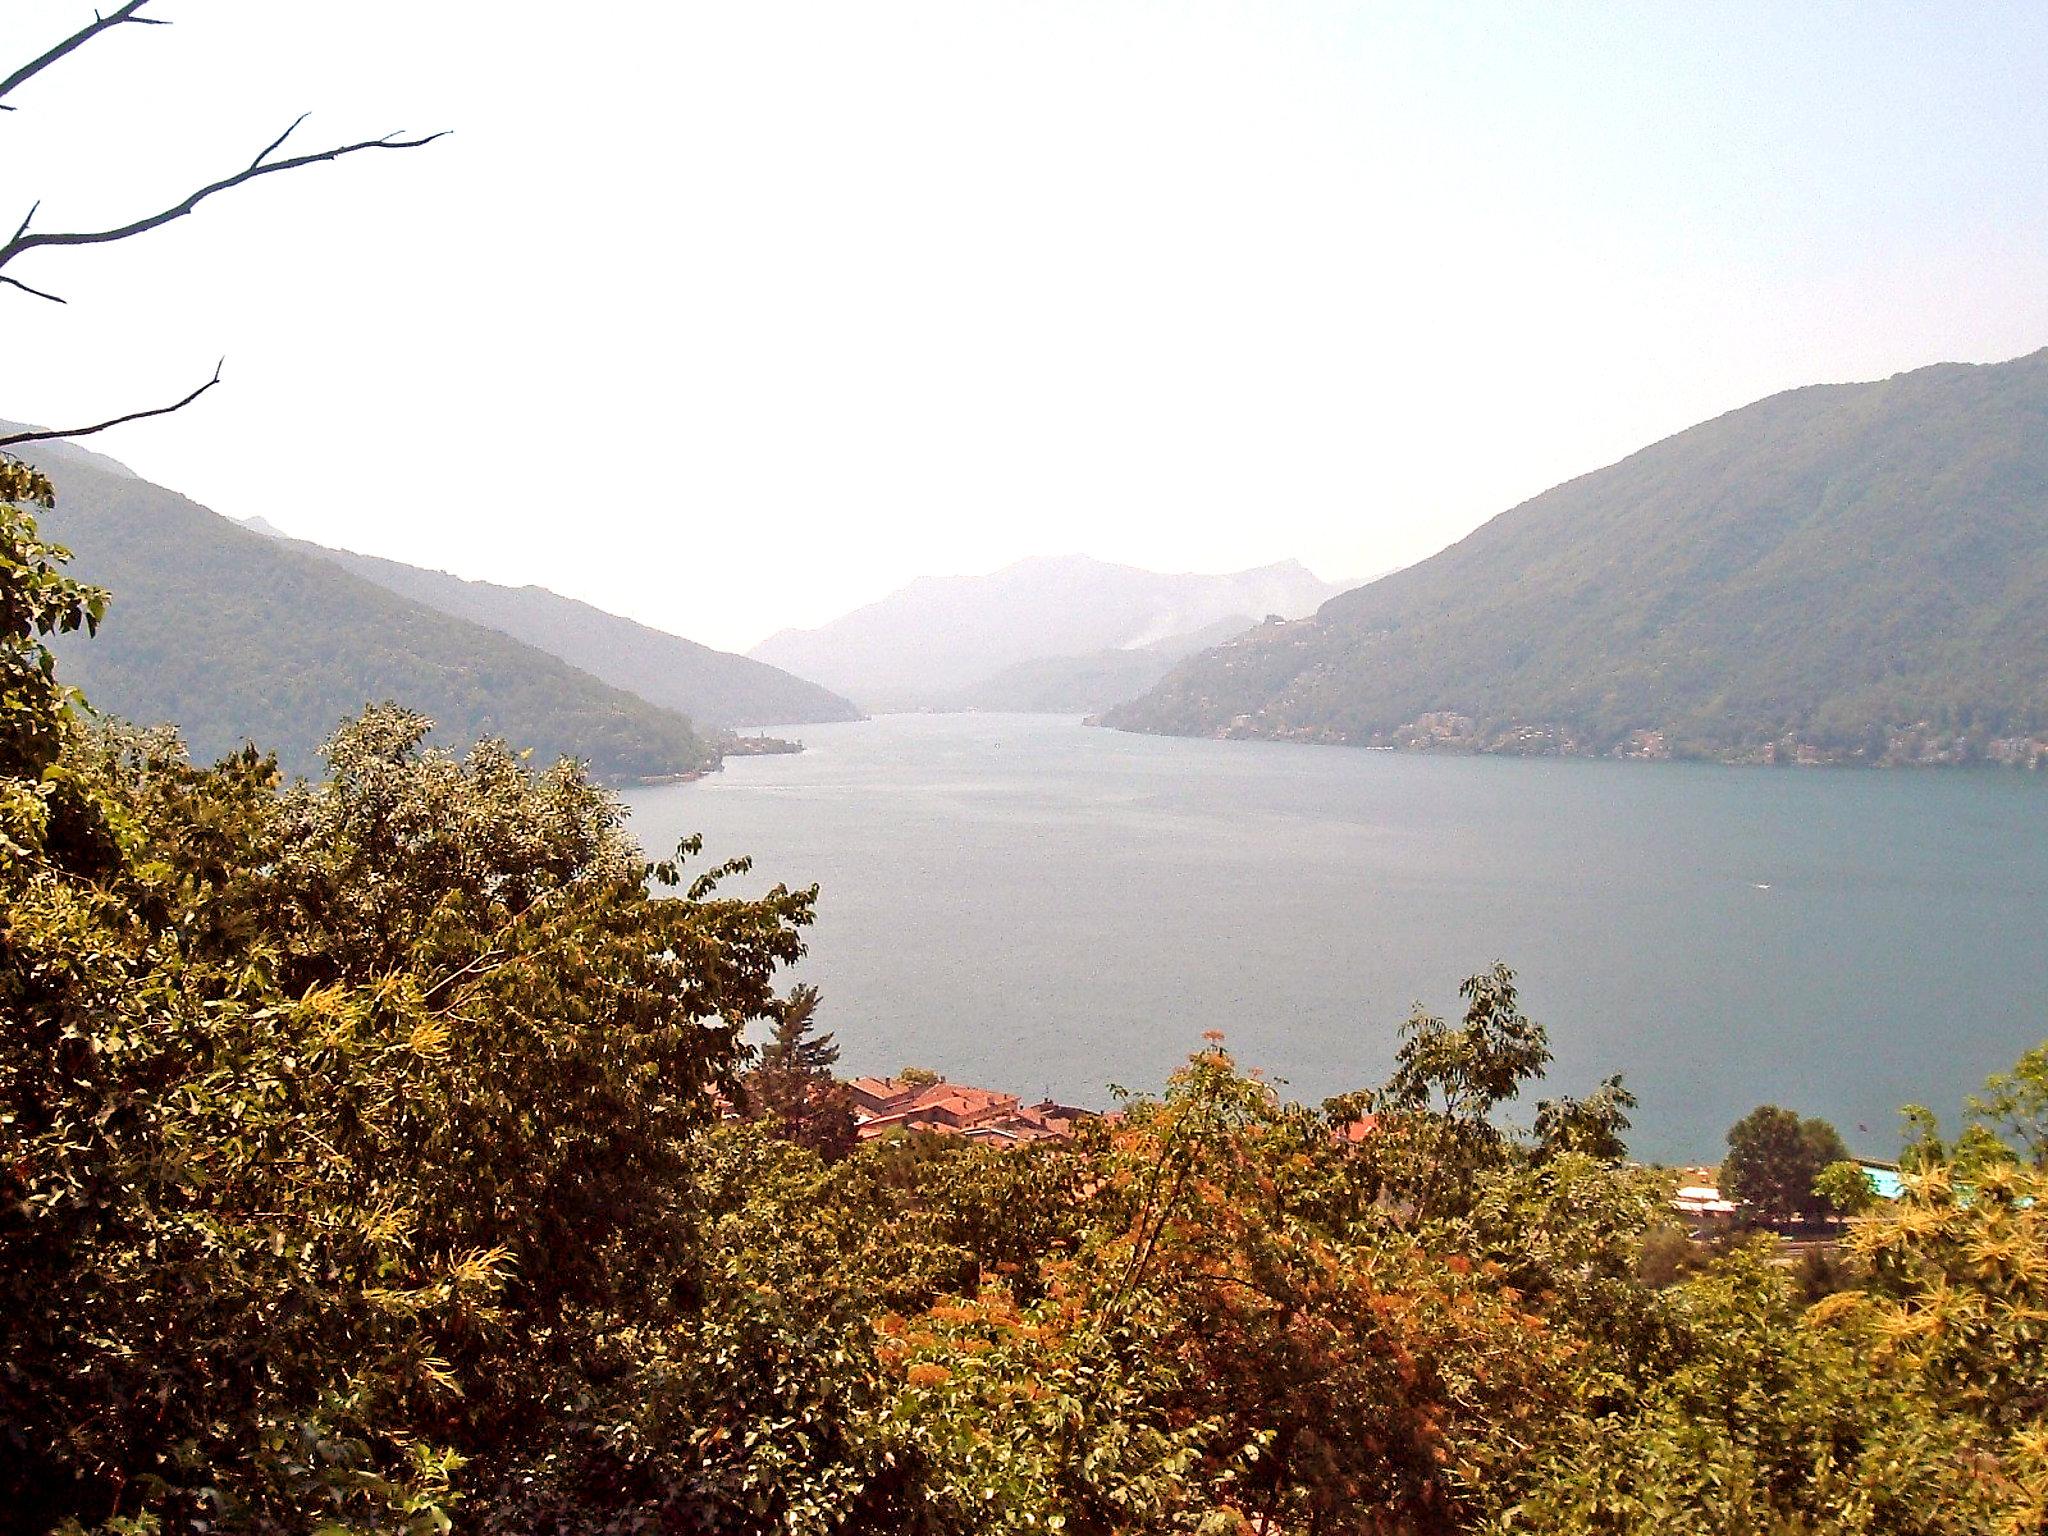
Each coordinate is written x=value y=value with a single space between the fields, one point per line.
x=1594 y=1125
x=1463 y=1073
x=2014 y=1106
x=1436 y=1112
x=37 y=600
x=1774 y=1158
x=796 y=1045
x=338 y=1124
x=793 y=1087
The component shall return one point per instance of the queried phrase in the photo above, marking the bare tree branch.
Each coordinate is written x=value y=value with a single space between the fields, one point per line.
x=262 y=165
x=15 y=282
x=79 y=39
x=69 y=432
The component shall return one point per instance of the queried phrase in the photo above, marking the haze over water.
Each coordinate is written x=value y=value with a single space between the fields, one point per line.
x=1026 y=903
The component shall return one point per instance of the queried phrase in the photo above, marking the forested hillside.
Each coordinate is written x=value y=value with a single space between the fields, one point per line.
x=711 y=687
x=233 y=636
x=383 y=1153
x=1851 y=572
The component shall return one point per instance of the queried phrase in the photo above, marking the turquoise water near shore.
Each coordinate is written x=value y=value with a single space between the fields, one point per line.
x=1024 y=902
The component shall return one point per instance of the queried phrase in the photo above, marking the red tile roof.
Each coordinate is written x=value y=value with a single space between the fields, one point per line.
x=883 y=1104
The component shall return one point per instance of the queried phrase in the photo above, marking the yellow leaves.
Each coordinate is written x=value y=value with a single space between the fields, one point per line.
x=481 y=1268
x=1897 y=1327
x=387 y=1226
x=1908 y=1223
x=429 y=1038
x=2031 y=1444
x=472 y=1270
x=1931 y=1186
x=24 y=483
x=1994 y=1254
x=1833 y=1309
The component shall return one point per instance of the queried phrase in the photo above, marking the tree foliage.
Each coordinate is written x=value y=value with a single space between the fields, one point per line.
x=362 y=1169
x=2014 y=1106
x=1775 y=1158
x=793 y=1087
x=328 y=1112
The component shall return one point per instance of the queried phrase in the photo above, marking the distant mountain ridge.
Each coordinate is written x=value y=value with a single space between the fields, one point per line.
x=234 y=636
x=714 y=688
x=1851 y=572
x=1089 y=684
x=928 y=643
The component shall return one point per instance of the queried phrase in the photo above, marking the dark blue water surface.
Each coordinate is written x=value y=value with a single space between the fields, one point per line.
x=1023 y=902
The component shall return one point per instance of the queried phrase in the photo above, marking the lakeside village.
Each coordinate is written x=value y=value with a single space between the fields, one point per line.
x=1916 y=746
x=917 y=1102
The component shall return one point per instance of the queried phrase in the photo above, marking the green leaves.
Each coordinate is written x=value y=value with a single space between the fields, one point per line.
x=1774 y=1160
x=338 y=1123
x=362 y=1169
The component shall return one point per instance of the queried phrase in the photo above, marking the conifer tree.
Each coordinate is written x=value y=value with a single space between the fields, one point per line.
x=793 y=1087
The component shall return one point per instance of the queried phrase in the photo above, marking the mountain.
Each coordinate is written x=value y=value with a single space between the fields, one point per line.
x=715 y=688
x=233 y=635
x=922 y=645
x=1845 y=572
x=1087 y=685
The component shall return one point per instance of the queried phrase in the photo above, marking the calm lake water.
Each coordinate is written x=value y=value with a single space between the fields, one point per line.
x=1026 y=903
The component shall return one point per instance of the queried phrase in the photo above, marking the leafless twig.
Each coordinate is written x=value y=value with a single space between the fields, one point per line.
x=161 y=410
x=23 y=240
x=262 y=165
x=78 y=39
x=15 y=282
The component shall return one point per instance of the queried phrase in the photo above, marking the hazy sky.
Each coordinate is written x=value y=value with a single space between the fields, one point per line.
x=734 y=316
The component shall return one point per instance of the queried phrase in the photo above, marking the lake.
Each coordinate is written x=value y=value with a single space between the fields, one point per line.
x=1026 y=903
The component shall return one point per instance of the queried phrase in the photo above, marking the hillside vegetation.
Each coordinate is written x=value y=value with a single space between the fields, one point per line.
x=1852 y=572
x=366 y=1166
x=234 y=637
x=711 y=687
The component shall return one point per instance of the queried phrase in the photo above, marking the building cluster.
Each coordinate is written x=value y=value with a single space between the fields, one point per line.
x=885 y=1104
x=1644 y=747
x=1704 y=1207
x=1439 y=725
x=1701 y=1202
x=2028 y=752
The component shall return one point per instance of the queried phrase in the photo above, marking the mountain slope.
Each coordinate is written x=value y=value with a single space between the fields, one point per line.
x=922 y=645
x=711 y=687
x=233 y=636
x=1089 y=684
x=1818 y=572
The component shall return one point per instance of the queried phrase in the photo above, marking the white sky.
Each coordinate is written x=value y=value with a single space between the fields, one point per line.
x=734 y=316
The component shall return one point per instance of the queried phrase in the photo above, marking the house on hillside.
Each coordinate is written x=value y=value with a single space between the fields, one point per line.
x=1704 y=1206
x=885 y=1104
